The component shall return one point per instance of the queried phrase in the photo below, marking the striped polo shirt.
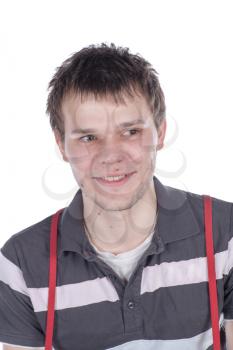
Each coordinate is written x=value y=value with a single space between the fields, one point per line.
x=164 y=305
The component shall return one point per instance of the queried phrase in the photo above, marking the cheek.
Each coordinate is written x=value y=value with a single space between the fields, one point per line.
x=144 y=149
x=79 y=156
x=148 y=143
x=81 y=171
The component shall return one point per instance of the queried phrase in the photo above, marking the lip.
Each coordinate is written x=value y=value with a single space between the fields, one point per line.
x=115 y=183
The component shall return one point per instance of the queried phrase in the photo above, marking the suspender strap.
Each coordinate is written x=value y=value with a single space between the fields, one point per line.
x=211 y=272
x=52 y=280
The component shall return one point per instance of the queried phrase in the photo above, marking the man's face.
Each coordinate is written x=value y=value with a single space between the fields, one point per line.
x=121 y=140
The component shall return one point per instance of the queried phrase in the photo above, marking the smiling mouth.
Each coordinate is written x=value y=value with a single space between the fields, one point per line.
x=114 y=180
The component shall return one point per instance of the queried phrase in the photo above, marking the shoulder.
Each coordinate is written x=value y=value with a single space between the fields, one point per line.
x=28 y=248
x=221 y=209
x=175 y=198
x=222 y=216
x=188 y=207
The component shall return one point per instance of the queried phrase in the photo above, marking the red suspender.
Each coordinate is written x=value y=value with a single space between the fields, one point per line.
x=211 y=275
x=211 y=272
x=52 y=279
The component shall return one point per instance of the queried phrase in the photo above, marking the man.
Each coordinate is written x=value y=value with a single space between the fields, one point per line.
x=132 y=270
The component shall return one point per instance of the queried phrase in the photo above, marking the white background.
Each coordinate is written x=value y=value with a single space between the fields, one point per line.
x=188 y=42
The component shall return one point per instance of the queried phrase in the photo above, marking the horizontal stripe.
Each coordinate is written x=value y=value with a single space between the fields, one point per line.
x=201 y=342
x=181 y=272
x=12 y=275
x=25 y=347
x=88 y=292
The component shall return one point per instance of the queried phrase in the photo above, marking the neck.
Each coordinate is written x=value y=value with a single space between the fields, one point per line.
x=120 y=231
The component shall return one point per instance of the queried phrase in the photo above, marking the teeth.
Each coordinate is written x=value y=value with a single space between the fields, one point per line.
x=113 y=178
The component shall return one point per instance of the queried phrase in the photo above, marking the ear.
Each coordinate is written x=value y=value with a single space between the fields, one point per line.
x=60 y=144
x=161 y=134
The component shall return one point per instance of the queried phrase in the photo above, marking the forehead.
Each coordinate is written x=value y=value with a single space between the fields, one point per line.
x=103 y=110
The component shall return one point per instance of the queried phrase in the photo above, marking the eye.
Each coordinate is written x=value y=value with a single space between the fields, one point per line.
x=86 y=138
x=89 y=138
x=133 y=131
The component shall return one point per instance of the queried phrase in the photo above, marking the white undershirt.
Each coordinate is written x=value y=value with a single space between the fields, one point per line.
x=124 y=263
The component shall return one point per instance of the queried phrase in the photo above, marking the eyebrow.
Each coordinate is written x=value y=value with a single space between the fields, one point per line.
x=124 y=125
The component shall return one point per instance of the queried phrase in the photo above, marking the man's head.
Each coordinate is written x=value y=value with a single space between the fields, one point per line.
x=110 y=91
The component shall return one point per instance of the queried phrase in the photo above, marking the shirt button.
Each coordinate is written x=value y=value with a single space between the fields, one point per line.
x=131 y=304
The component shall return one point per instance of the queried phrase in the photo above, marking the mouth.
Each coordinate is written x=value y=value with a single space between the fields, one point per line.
x=114 y=181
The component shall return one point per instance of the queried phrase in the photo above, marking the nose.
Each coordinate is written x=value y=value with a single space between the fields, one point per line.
x=111 y=152
x=111 y=160
x=111 y=156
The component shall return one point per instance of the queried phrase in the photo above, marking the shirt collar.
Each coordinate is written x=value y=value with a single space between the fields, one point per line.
x=176 y=220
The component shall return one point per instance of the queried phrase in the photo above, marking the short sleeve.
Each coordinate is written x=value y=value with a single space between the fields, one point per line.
x=228 y=284
x=18 y=322
x=228 y=297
